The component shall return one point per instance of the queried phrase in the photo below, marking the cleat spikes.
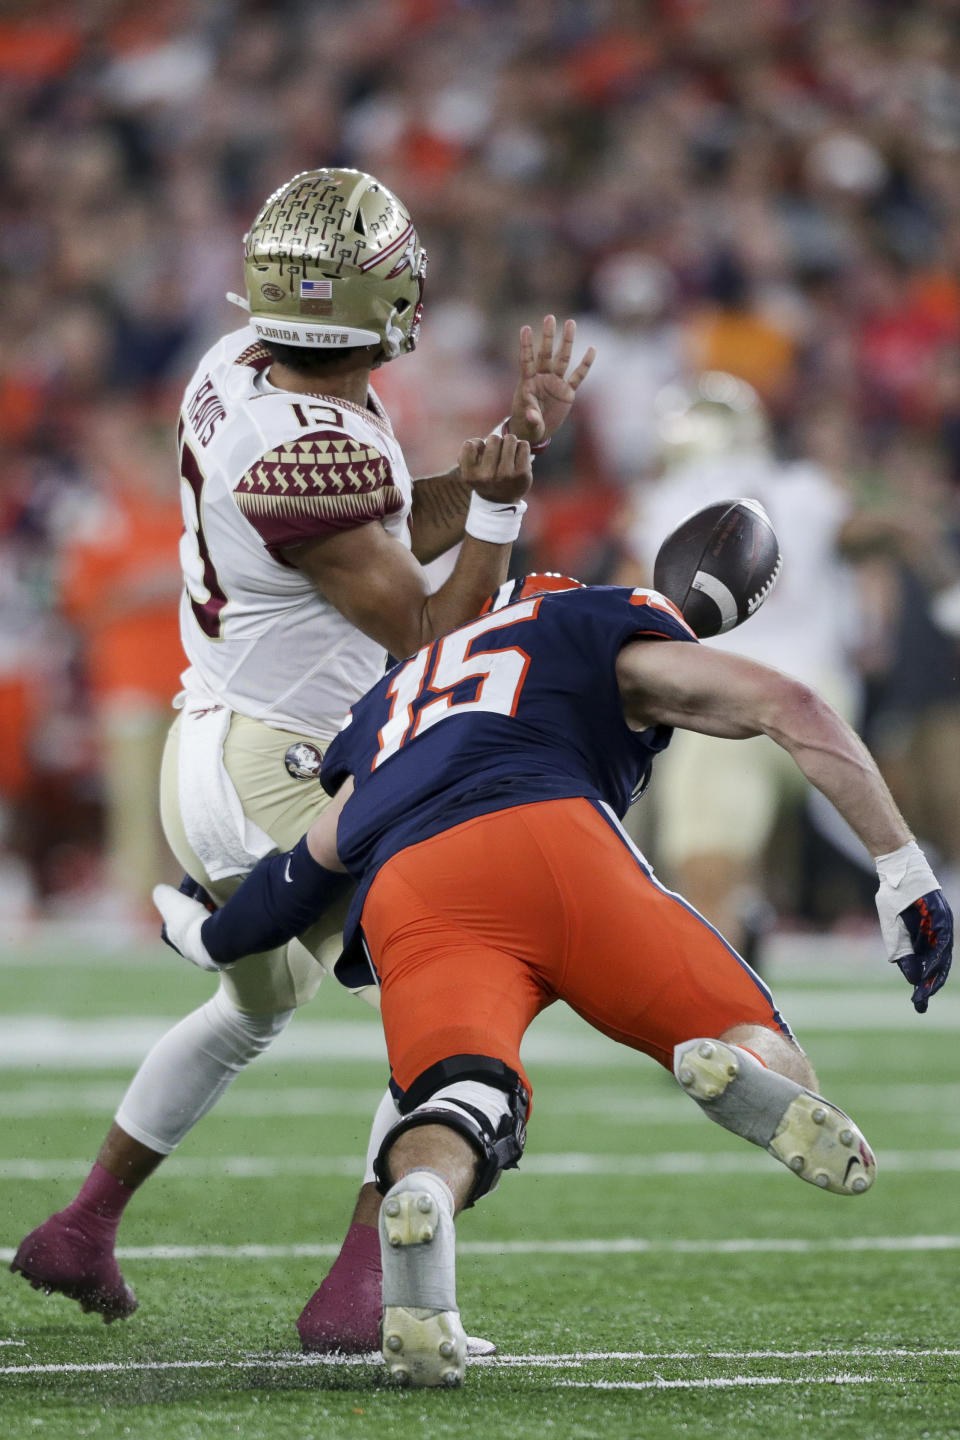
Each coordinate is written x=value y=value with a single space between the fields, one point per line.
x=800 y=1129
x=423 y=1343
x=827 y=1137
x=424 y=1348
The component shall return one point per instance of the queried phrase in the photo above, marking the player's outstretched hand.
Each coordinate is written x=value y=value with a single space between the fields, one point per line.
x=498 y=468
x=929 y=924
x=183 y=919
x=915 y=921
x=545 y=392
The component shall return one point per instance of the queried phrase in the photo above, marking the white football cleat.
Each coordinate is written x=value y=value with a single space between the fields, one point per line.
x=813 y=1138
x=423 y=1342
x=182 y=922
x=480 y=1349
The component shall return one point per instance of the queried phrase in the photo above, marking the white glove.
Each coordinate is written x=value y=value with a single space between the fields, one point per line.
x=904 y=877
x=182 y=921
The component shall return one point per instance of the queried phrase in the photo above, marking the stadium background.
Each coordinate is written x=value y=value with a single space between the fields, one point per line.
x=768 y=188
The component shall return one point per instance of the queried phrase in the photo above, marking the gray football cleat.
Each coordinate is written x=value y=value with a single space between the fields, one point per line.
x=814 y=1139
x=422 y=1339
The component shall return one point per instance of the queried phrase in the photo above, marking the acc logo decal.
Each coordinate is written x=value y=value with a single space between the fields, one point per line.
x=273 y=292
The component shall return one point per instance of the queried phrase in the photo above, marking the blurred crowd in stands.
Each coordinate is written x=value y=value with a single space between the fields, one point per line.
x=760 y=189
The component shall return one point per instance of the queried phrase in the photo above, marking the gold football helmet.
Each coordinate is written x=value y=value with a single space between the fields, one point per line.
x=716 y=414
x=333 y=260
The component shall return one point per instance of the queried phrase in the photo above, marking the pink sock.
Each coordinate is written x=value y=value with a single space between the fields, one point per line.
x=102 y=1198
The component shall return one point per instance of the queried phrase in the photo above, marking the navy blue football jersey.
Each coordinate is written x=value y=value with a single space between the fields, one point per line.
x=519 y=706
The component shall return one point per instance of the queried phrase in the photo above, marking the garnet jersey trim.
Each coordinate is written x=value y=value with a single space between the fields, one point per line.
x=314 y=484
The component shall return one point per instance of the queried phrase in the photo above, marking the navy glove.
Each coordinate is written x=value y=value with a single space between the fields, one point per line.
x=929 y=923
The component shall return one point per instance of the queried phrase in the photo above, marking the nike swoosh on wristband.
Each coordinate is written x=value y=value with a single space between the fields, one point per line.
x=505 y=510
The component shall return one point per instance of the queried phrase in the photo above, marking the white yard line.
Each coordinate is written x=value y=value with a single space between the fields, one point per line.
x=567 y=1163
x=627 y=1245
x=731 y=1382
x=41 y=1042
x=571 y=1361
x=252 y=1102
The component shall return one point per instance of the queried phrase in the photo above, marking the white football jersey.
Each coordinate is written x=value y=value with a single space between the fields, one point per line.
x=263 y=469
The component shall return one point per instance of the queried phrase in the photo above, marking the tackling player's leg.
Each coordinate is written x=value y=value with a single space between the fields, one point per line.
x=714 y=1021
x=748 y=1082
x=464 y=1121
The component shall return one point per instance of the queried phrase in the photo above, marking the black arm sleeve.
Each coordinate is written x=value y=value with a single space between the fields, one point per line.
x=281 y=897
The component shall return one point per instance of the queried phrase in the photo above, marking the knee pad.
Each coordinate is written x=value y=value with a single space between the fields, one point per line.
x=483 y=1099
x=237 y=1038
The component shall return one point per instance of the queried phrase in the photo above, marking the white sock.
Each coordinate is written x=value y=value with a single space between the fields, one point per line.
x=383 y=1122
x=190 y=1067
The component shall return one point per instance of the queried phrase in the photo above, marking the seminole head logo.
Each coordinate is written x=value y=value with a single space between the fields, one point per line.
x=303 y=761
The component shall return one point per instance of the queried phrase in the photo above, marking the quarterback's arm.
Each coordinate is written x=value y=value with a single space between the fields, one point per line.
x=438 y=514
x=669 y=683
x=382 y=589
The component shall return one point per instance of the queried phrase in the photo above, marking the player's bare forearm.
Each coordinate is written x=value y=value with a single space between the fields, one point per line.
x=834 y=759
x=694 y=688
x=439 y=510
x=322 y=835
x=481 y=569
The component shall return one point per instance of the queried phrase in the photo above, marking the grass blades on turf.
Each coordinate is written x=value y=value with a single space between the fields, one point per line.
x=645 y=1274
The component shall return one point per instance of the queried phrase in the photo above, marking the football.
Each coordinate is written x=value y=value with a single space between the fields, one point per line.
x=719 y=565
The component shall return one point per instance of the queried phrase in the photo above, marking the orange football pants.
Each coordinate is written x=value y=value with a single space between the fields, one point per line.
x=475 y=931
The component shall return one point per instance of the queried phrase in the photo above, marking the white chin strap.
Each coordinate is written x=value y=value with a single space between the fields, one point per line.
x=306 y=333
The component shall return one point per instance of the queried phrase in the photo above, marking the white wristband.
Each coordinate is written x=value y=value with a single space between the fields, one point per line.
x=497 y=521
x=904 y=877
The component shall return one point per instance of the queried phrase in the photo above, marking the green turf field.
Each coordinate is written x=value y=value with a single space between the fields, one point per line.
x=645 y=1274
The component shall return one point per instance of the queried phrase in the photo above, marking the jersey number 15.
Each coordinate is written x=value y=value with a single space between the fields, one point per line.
x=500 y=673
